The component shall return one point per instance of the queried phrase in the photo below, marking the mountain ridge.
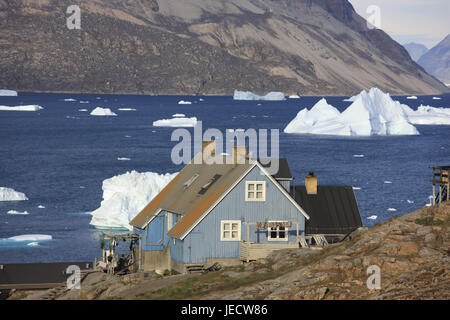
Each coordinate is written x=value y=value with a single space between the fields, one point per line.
x=311 y=47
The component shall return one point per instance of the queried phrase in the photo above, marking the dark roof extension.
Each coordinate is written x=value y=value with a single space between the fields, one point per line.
x=284 y=172
x=333 y=210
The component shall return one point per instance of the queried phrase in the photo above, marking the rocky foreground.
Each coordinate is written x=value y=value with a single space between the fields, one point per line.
x=411 y=252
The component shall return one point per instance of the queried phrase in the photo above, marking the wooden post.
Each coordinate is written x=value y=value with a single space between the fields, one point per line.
x=440 y=193
x=434 y=194
x=248 y=241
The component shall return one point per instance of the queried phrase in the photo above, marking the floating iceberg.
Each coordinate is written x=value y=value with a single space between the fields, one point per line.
x=69 y=100
x=176 y=122
x=18 y=212
x=102 y=112
x=436 y=98
x=127 y=109
x=184 y=102
x=21 y=108
x=83 y=110
x=8 y=93
x=371 y=113
x=178 y=115
x=247 y=95
x=41 y=206
x=31 y=237
x=358 y=156
x=84 y=101
x=372 y=217
x=125 y=195
x=411 y=98
x=294 y=96
x=427 y=115
x=123 y=159
x=392 y=209
x=8 y=194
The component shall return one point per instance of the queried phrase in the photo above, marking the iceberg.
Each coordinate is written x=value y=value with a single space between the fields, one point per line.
x=123 y=159
x=126 y=109
x=184 y=102
x=8 y=194
x=372 y=217
x=69 y=100
x=247 y=95
x=8 y=93
x=411 y=98
x=427 y=115
x=176 y=122
x=178 y=115
x=102 y=112
x=31 y=237
x=294 y=96
x=18 y=212
x=21 y=108
x=436 y=98
x=371 y=113
x=83 y=110
x=125 y=195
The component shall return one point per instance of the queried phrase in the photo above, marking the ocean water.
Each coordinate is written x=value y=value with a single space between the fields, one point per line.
x=60 y=156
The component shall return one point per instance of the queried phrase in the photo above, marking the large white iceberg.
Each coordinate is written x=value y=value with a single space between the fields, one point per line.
x=371 y=113
x=8 y=93
x=176 y=122
x=247 y=95
x=21 y=108
x=102 y=112
x=427 y=115
x=8 y=194
x=125 y=195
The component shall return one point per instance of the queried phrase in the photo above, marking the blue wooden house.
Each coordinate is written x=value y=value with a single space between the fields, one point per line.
x=224 y=212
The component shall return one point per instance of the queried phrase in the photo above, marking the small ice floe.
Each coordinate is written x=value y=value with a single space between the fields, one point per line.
x=356 y=188
x=252 y=116
x=21 y=108
x=31 y=237
x=184 y=102
x=409 y=201
x=391 y=209
x=102 y=112
x=259 y=104
x=372 y=217
x=127 y=136
x=247 y=95
x=84 y=101
x=98 y=98
x=387 y=182
x=14 y=212
x=69 y=100
x=176 y=122
x=8 y=194
x=123 y=159
x=153 y=131
x=358 y=155
x=8 y=93
x=201 y=99
x=178 y=115
x=436 y=98
x=82 y=187
x=41 y=206
x=411 y=98
x=70 y=117
x=294 y=96
x=33 y=244
x=83 y=110
x=265 y=116
x=126 y=109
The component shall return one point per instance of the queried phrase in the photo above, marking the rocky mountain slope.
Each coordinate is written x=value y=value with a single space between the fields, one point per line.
x=412 y=252
x=437 y=60
x=415 y=50
x=201 y=46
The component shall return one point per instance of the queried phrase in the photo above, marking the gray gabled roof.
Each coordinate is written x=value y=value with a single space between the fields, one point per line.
x=333 y=210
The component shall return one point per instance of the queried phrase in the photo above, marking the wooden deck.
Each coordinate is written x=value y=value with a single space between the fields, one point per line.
x=254 y=251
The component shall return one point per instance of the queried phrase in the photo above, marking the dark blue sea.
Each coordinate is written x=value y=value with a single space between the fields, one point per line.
x=60 y=156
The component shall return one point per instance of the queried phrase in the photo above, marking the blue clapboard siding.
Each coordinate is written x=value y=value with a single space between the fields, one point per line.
x=204 y=240
x=156 y=232
x=286 y=184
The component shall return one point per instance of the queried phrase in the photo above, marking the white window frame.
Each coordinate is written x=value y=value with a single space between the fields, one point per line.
x=286 y=230
x=254 y=184
x=222 y=230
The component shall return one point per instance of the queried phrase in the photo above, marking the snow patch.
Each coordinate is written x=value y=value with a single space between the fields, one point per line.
x=102 y=112
x=8 y=194
x=247 y=95
x=125 y=195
